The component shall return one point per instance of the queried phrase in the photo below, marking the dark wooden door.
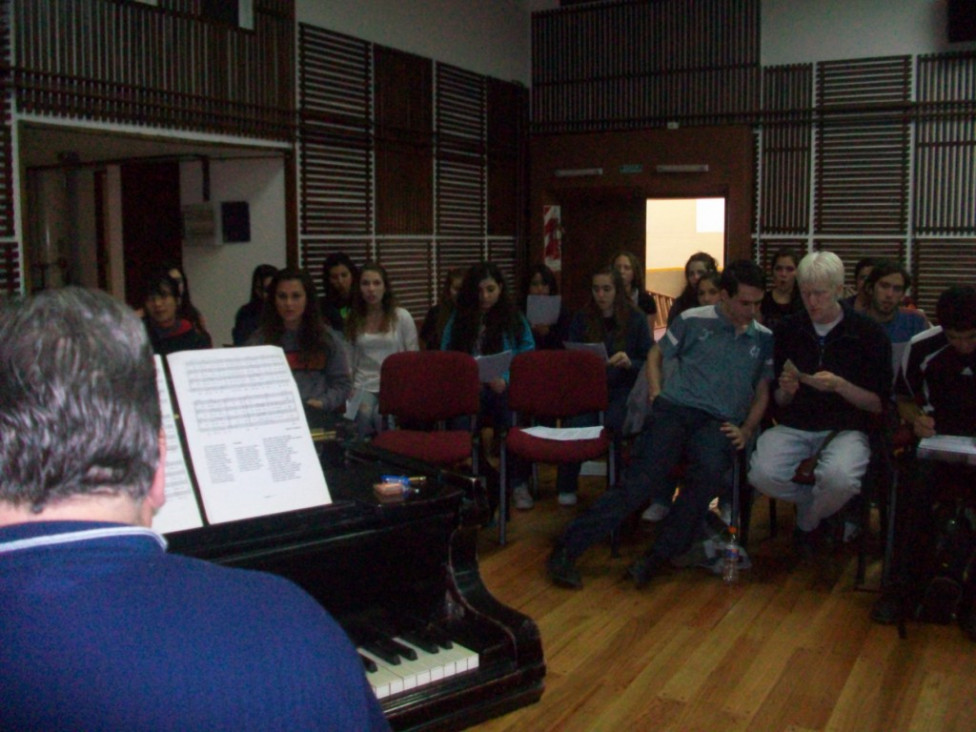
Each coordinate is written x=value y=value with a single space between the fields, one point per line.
x=596 y=225
x=152 y=232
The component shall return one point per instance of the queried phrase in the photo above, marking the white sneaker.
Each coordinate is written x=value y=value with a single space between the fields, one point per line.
x=521 y=498
x=567 y=499
x=655 y=512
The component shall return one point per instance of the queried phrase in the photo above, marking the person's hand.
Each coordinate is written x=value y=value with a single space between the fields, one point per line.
x=924 y=426
x=789 y=382
x=737 y=435
x=315 y=403
x=540 y=330
x=825 y=381
x=498 y=385
x=620 y=359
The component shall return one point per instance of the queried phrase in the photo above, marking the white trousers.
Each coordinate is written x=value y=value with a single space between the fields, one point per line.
x=838 y=473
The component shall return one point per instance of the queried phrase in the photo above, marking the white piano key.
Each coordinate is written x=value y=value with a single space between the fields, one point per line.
x=429 y=668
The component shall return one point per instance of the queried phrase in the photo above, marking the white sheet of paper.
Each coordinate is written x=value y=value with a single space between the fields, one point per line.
x=249 y=441
x=565 y=433
x=948 y=448
x=494 y=366
x=598 y=348
x=542 y=309
x=353 y=403
x=180 y=512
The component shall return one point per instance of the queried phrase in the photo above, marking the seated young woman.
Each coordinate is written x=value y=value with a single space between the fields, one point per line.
x=486 y=321
x=632 y=273
x=248 y=316
x=188 y=310
x=317 y=359
x=611 y=319
x=542 y=281
x=375 y=329
x=784 y=297
x=697 y=265
x=432 y=330
x=339 y=277
x=169 y=332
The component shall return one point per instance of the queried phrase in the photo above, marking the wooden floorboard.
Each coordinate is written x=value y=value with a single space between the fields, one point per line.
x=790 y=647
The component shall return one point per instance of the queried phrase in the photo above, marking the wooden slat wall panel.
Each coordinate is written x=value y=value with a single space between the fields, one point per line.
x=403 y=94
x=11 y=275
x=460 y=172
x=850 y=251
x=136 y=64
x=637 y=64
x=945 y=168
x=408 y=262
x=939 y=264
x=453 y=253
x=862 y=164
x=336 y=143
x=786 y=148
x=381 y=132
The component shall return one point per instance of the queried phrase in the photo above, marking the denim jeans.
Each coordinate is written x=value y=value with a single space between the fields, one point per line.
x=675 y=432
x=567 y=474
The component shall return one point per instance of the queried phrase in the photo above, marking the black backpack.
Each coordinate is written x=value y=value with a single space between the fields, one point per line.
x=951 y=566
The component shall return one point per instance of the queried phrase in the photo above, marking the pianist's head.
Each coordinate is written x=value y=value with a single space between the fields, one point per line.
x=79 y=411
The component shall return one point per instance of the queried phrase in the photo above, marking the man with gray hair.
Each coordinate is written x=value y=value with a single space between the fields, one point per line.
x=834 y=375
x=101 y=628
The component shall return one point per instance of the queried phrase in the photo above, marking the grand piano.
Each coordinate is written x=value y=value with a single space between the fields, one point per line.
x=402 y=578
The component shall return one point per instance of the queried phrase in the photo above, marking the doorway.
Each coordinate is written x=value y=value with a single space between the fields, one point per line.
x=676 y=228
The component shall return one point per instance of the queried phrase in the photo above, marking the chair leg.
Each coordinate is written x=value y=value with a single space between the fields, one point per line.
x=773 y=523
x=502 y=493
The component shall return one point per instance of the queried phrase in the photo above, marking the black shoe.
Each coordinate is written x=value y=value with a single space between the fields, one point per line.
x=805 y=543
x=645 y=569
x=888 y=610
x=561 y=570
x=967 y=621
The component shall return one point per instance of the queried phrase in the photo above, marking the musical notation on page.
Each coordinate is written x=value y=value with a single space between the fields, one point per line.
x=248 y=438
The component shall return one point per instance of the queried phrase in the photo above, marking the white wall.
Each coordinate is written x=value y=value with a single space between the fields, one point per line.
x=220 y=276
x=490 y=37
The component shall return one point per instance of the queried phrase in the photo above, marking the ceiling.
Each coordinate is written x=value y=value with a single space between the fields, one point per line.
x=49 y=145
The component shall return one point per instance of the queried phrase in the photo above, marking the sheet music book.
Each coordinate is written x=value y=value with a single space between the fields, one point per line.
x=542 y=309
x=948 y=448
x=493 y=366
x=598 y=348
x=249 y=445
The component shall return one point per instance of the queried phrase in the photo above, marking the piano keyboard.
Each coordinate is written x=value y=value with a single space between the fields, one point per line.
x=428 y=667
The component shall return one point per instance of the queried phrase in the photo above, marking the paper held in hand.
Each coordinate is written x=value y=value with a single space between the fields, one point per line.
x=493 y=366
x=948 y=448
x=542 y=309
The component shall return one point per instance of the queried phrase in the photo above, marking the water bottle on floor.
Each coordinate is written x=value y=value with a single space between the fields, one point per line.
x=730 y=563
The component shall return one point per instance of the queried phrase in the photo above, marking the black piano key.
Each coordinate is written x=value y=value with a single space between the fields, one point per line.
x=438 y=637
x=405 y=651
x=421 y=640
x=369 y=664
x=383 y=648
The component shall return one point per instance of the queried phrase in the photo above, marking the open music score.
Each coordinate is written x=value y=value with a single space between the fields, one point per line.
x=249 y=445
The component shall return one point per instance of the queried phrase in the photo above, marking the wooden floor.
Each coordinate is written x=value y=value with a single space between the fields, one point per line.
x=791 y=647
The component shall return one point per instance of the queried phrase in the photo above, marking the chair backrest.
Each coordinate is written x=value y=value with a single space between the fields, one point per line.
x=429 y=386
x=557 y=383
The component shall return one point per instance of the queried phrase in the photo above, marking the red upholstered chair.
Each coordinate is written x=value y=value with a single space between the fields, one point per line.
x=554 y=385
x=429 y=388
